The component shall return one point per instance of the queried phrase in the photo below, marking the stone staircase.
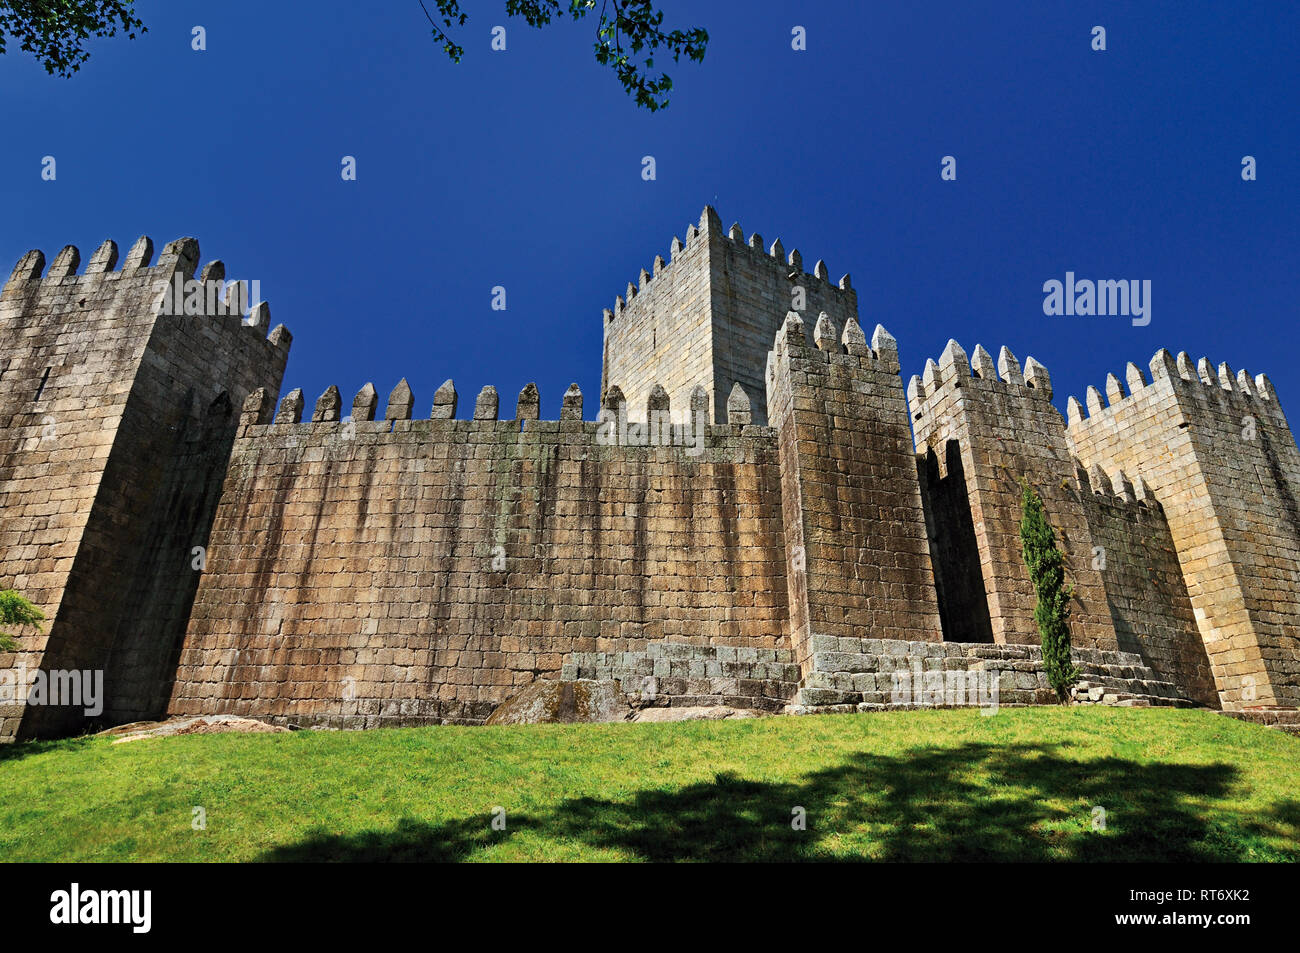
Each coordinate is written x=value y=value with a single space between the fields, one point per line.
x=852 y=675
x=1121 y=678
x=679 y=674
x=849 y=674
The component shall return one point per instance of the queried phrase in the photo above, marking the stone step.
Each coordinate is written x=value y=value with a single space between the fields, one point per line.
x=1282 y=719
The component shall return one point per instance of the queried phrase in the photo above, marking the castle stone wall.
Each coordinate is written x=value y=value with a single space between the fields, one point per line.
x=753 y=290
x=1216 y=451
x=1148 y=599
x=425 y=570
x=110 y=446
x=856 y=675
x=662 y=334
x=950 y=527
x=1006 y=431
x=208 y=553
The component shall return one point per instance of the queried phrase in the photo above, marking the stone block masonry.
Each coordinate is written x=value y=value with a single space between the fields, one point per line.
x=708 y=316
x=675 y=675
x=998 y=426
x=859 y=675
x=1148 y=599
x=806 y=532
x=1215 y=449
x=414 y=571
x=854 y=527
x=115 y=424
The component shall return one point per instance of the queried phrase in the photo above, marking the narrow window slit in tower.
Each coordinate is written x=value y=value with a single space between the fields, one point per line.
x=44 y=377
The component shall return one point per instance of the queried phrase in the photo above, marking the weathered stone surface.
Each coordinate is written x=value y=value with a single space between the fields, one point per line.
x=424 y=618
x=116 y=424
x=445 y=400
x=485 y=405
x=571 y=406
x=563 y=702
x=203 y=725
x=708 y=319
x=1219 y=464
x=400 y=402
x=529 y=405
x=979 y=436
x=739 y=409
x=708 y=713
x=327 y=406
x=290 y=411
x=365 y=404
x=846 y=458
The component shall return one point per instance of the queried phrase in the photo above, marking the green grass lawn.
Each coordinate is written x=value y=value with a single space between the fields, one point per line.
x=938 y=785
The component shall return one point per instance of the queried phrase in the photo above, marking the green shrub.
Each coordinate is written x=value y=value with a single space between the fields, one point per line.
x=15 y=610
x=1047 y=571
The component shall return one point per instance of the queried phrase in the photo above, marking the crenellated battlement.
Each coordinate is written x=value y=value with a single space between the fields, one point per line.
x=776 y=251
x=1114 y=487
x=928 y=392
x=1201 y=382
x=830 y=346
x=172 y=279
x=846 y=460
x=610 y=436
x=400 y=406
x=711 y=225
x=695 y=235
x=1215 y=448
x=118 y=387
x=983 y=431
x=706 y=316
x=1145 y=586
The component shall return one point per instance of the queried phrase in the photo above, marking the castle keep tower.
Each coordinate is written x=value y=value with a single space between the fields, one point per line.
x=1216 y=451
x=116 y=421
x=708 y=317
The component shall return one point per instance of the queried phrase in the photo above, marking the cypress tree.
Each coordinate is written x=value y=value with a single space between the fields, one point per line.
x=1047 y=571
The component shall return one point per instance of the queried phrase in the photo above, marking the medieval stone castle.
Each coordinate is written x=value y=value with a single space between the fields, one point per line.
x=808 y=527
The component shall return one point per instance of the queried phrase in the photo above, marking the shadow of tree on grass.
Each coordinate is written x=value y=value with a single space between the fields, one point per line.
x=973 y=802
x=17 y=751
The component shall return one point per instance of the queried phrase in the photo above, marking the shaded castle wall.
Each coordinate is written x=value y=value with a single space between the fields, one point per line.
x=854 y=527
x=709 y=315
x=1006 y=430
x=1216 y=451
x=1148 y=599
x=96 y=475
x=954 y=549
x=424 y=570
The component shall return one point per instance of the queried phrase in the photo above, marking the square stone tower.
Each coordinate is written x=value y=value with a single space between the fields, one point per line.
x=982 y=430
x=708 y=317
x=117 y=415
x=1217 y=452
x=859 y=564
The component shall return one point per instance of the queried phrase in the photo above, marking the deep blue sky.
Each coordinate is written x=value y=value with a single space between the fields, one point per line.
x=522 y=169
